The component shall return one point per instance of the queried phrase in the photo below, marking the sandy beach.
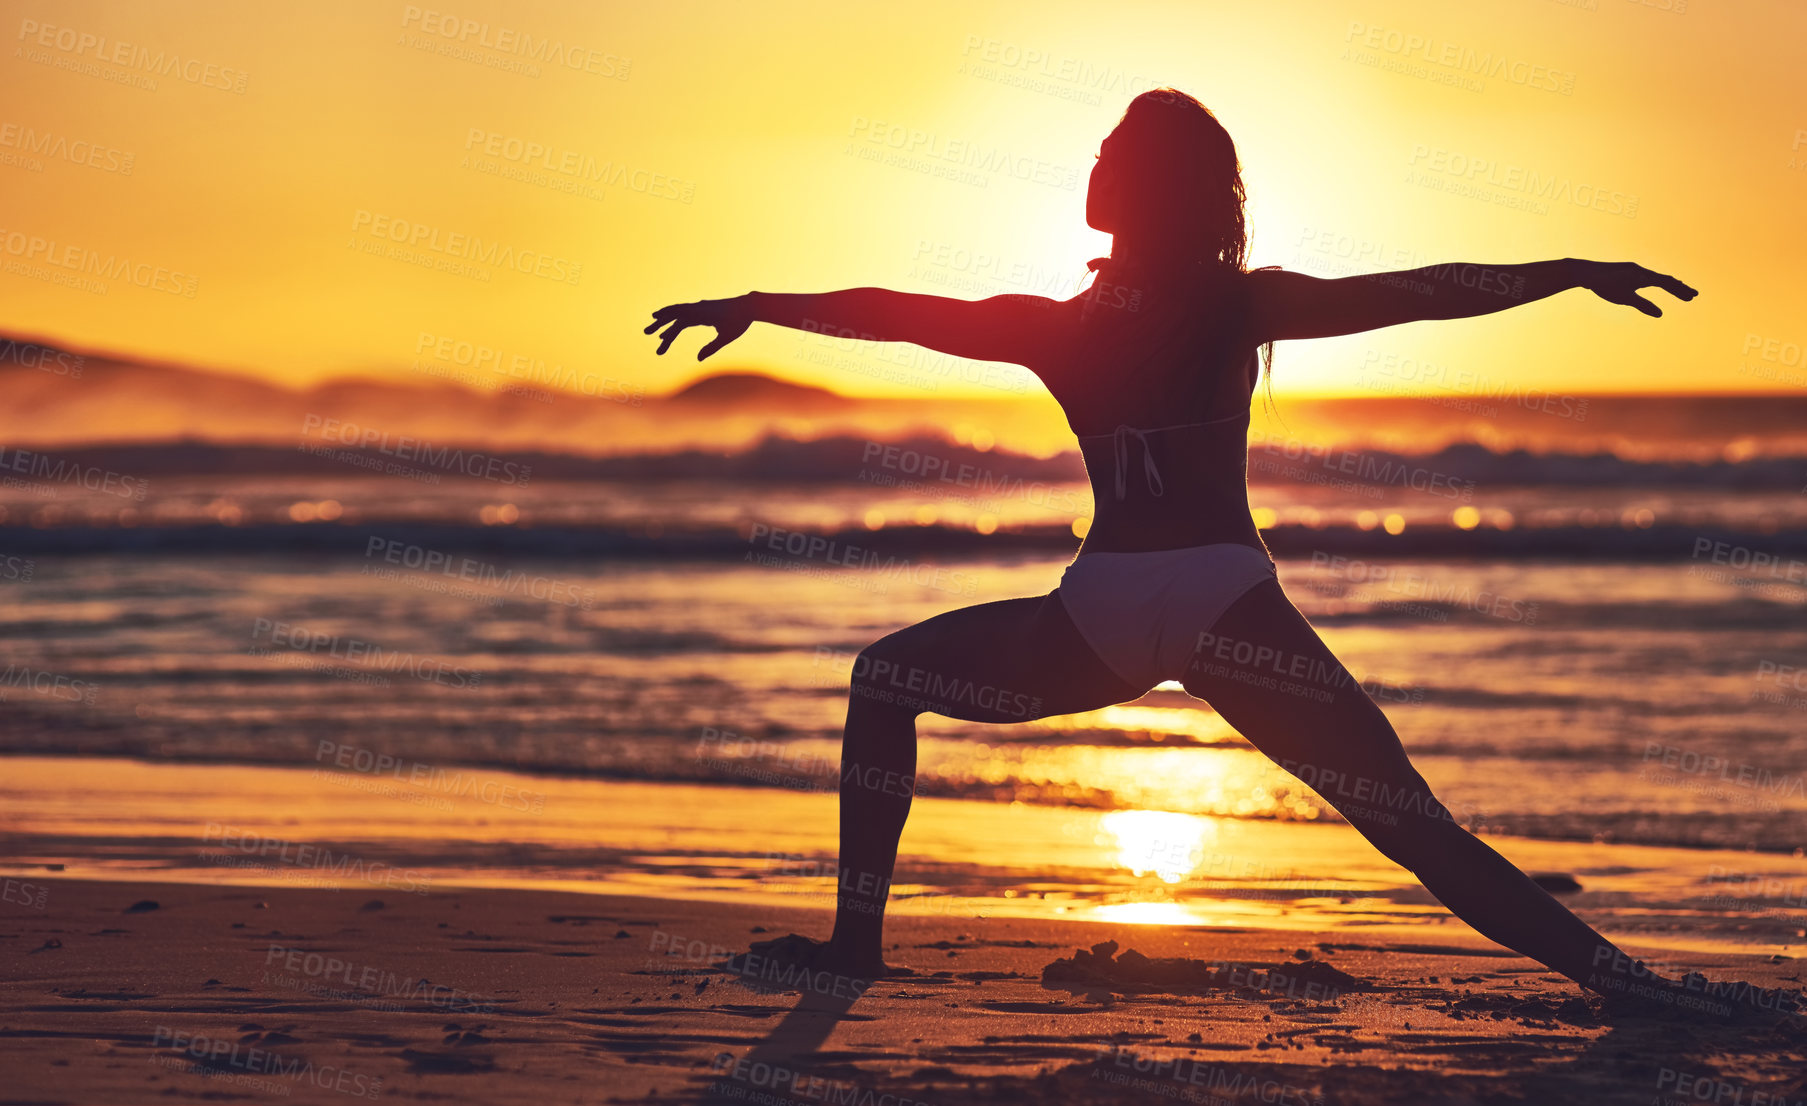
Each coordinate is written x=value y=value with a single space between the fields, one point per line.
x=183 y=992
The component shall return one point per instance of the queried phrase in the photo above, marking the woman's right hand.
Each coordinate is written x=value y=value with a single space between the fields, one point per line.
x=1619 y=281
x=729 y=317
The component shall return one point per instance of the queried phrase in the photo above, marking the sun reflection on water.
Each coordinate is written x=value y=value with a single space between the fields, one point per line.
x=1189 y=721
x=1149 y=914
x=1158 y=842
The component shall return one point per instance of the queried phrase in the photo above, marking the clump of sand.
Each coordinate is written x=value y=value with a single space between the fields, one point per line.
x=1102 y=969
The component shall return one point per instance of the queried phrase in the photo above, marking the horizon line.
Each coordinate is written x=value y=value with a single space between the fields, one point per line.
x=399 y=374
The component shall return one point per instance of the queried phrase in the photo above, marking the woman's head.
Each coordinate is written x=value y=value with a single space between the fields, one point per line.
x=1167 y=185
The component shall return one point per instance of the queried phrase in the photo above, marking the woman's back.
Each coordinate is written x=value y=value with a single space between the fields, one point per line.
x=1155 y=379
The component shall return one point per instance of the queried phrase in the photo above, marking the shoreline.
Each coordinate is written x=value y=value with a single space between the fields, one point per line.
x=280 y=826
x=755 y=783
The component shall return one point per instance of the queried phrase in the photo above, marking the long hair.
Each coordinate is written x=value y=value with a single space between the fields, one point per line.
x=1182 y=188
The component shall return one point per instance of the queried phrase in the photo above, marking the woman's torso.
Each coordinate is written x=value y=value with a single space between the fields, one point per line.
x=1160 y=357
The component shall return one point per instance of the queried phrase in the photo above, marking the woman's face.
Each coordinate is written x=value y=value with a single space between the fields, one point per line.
x=1103 y=191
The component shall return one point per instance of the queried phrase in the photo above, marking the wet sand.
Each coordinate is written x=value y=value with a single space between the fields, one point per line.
x=280 y=825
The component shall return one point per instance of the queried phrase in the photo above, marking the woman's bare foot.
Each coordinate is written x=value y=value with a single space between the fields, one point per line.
x=1695 y=996
x=798 y=962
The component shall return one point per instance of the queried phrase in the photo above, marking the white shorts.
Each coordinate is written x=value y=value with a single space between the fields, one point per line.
x=1142 y=613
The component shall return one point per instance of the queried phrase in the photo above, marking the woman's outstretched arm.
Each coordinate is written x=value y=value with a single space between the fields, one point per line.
x=1003 y=328
x=1292 y=305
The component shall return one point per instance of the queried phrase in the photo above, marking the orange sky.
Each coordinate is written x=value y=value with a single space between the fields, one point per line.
x=684 y=151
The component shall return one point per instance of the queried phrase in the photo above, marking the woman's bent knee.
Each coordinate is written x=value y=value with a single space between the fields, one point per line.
x=880 y=680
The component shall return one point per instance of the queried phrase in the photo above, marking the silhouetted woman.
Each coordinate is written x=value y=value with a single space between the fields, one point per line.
x=1154 y=365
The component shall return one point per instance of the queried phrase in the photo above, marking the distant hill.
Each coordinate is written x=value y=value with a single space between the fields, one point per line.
x=753 y=389
x=59 y=396
x=24 y=359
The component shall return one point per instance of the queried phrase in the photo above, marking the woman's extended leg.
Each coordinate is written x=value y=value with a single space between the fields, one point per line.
x=1265 y=670
x=1010 y=661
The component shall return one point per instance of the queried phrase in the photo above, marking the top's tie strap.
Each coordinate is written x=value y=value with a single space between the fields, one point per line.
x=1120 y=438
x=1120 y=441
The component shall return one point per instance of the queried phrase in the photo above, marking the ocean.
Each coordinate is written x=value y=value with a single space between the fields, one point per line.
x=1609 y=661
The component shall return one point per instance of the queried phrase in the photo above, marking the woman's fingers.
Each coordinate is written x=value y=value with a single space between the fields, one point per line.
x=723 y=335
x=1675 y=287
x=674 y=318
x=1624 y=282
x=665 y=314
x=670 y=335
x=1647 y=278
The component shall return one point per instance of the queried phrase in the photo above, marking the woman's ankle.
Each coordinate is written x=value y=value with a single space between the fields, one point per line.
x=859 y=944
